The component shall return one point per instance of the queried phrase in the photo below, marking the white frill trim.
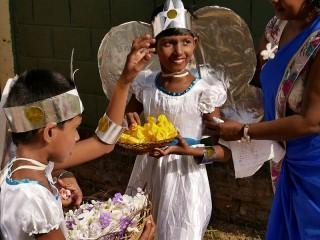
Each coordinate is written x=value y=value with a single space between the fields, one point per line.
x=142 y=82
x=45 y=229
x=212 y=97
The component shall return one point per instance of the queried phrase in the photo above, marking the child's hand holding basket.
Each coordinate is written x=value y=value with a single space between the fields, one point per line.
x=156 y=133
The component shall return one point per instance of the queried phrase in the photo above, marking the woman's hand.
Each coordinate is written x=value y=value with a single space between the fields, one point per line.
x=149 y=230
x=140 y=55
x=229 y=130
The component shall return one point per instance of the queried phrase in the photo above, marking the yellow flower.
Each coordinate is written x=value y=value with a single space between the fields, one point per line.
x=153 y=130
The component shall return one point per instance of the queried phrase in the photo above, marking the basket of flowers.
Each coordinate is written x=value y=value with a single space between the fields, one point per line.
x=155 y=133
x=121 y=217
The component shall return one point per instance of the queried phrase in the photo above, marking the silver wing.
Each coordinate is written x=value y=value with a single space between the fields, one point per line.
x=114 y=49
x=225 y=52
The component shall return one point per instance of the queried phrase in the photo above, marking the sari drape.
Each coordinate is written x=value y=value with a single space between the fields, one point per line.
x=295 y=212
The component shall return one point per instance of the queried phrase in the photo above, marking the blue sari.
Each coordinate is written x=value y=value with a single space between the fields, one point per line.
x=295 y=212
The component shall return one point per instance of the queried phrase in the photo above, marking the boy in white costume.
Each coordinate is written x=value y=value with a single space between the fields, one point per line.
x=43 y=110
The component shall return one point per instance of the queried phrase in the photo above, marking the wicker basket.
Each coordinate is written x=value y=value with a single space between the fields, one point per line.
x=145 y=215
x=143 y=148
x=137 y=235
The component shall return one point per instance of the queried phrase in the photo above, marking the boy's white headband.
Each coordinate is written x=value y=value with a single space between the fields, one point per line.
x=37 y=114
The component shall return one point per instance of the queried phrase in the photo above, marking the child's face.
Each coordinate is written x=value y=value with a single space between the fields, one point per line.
x=65 y=139
x=175 y=52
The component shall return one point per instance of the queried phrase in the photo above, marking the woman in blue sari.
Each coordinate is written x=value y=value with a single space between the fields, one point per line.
x=289 y=71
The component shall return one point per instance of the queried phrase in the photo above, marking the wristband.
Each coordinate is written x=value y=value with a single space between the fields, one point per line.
x=108 y=131
x=65 y=174
x=245 y=135
x=209 y=156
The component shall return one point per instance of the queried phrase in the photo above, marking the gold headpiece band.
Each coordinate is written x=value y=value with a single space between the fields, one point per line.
x=37 y=114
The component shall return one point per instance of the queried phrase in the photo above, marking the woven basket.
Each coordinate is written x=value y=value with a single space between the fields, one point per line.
x=142 y=148
x=137 y=235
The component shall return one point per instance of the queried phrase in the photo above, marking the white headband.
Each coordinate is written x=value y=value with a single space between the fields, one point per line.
x=37 y=114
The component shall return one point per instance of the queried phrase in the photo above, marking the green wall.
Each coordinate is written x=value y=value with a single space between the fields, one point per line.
x=45 y=31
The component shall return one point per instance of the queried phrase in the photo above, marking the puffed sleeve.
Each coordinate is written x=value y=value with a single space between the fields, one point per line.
x=211 y=97
x=39 y=211
x=141 y=82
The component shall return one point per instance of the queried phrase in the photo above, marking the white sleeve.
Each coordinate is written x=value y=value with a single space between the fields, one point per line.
x=39 y=211
x=140 y=83
x=211 y=97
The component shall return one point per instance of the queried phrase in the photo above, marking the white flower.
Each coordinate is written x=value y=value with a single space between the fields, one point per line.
x=132 y=229
x=269 y=52
x=139 y=201
x=85 y=222
x=139 y=190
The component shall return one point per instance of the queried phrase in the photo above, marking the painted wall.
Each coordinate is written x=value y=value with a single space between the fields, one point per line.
x=6 y=55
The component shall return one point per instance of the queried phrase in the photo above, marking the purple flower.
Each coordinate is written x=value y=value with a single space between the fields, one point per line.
x=117 y=198
x=124 y=223
x=69 y=224
x=105 y=220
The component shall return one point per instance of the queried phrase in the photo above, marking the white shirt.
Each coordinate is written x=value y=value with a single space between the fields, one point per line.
x=28 y=208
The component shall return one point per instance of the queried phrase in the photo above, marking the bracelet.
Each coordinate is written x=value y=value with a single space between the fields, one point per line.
x=209 y=156
x=108 y=131
x=245 y=136
x=65 y=174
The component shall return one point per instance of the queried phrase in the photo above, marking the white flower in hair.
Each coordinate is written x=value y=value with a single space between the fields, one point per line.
x=269 y=52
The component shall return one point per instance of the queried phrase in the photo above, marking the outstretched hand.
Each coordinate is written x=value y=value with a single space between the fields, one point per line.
x=182 y=148
x=140 y=55
x=229 y=130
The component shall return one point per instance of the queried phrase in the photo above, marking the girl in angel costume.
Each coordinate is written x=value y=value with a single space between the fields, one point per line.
x=176 y=175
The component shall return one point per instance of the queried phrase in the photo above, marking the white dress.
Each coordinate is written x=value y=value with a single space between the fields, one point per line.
x=28 y=208
x=180 y=192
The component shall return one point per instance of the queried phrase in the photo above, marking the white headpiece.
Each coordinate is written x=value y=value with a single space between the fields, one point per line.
x=174 y=15
x=37 y=114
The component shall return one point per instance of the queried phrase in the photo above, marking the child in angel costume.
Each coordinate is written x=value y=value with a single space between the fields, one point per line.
x=43 y=110
x=184 y=92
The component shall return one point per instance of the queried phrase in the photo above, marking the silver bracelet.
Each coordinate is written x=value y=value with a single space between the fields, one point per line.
x=209 y=156
x=65 y=174
x=108 y=131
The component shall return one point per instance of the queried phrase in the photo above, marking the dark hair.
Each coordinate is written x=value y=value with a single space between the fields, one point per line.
x=171 y=31
x=32 y=86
